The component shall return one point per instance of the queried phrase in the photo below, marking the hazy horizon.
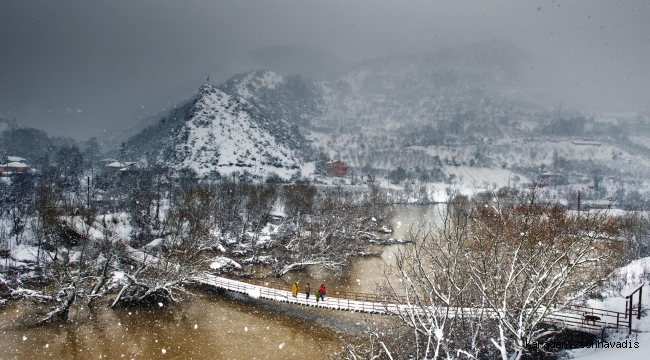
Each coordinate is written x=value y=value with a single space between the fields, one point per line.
x=87 y=68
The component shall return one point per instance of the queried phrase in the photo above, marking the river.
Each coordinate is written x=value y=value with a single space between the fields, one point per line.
x=209 y=325
x=364 y=274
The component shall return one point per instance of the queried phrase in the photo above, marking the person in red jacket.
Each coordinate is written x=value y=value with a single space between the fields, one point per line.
x=322 y=291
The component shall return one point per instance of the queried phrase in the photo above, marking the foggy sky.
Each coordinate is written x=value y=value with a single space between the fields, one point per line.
x=85 y=67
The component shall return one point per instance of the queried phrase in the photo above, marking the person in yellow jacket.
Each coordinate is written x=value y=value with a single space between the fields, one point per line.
x=294 y=290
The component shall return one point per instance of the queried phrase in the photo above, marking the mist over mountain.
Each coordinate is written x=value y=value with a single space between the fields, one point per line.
x=452 y=112
x=302 y=60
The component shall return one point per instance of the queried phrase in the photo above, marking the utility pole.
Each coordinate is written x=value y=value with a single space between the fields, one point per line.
x=88 y=195
x=578 y=200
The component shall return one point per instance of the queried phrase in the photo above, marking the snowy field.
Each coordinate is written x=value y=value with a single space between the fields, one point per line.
x=486 y=178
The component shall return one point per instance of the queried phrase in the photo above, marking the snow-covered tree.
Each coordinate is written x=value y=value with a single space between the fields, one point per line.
x=483 y=281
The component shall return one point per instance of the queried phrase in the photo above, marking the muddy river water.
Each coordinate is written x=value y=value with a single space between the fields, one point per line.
x=209 y=325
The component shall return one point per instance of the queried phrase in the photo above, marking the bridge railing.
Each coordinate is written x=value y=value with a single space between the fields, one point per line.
x=569 y=316
x=596 y=319
x=331 y=293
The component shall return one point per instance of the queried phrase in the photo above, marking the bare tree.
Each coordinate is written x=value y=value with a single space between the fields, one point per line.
x=635 y=228
x=164 y=274
x=440 y=305
x=76 y=263
x=527 y=258
x=152 y=279
x=189 y=220
x=335 y=226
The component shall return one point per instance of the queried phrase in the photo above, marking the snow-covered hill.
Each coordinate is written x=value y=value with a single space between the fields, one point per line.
x=278 y=105
x=239 y=127
x=470 y=106
x=220 y=135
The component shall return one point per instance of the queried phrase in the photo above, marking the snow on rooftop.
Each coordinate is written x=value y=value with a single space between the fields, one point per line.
x=17 y=165
x=16 y=159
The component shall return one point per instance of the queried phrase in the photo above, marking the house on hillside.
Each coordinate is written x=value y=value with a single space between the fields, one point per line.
x=16 y=165
x=114 y=167
x=336 y=168
x=548 y=178
x=117 y=167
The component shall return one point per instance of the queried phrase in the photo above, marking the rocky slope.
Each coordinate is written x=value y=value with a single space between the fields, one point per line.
x=220 y=135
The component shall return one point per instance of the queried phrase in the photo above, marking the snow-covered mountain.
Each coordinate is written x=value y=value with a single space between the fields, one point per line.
x=410 y=110
x=476 y=106
x=426 y=88
x=279 y=105
x=244 y=130
x=371 y=115
x=472 y=106
x=219 y=134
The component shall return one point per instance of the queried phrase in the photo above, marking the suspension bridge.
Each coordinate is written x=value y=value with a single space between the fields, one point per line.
x=580 y=318
x=573 y=317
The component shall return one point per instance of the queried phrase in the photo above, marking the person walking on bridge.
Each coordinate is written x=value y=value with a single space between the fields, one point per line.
x=307 y=290
x=322 y=291
x=294 y=290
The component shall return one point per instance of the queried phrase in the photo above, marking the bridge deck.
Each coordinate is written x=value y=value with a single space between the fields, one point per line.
x=334 y=303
